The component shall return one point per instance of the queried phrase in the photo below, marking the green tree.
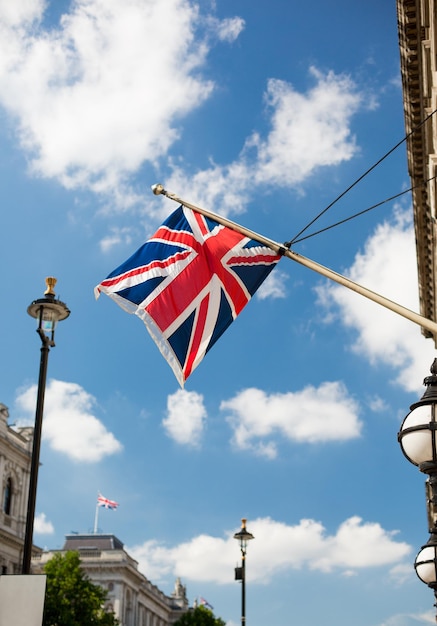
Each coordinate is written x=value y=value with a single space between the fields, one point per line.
x=71 y=598
x=200 y=616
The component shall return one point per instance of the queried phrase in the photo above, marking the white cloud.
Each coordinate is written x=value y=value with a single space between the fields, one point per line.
x=273 y=286
x=377 y=404
x=225 y=189
x=308 y=130
x=116 y=236
x=427 y=618
x=410 y=620
x=102 y=93
x=69 y=425
x=387 y=266
x=401 y=573
x=42 y=526
x=228 y=29
x=186 y=417
x=21 y=12
x=256 y=417
x=277 y=547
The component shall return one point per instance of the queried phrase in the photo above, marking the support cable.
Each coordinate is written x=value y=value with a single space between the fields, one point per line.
x=375 y=206
x=288 y=244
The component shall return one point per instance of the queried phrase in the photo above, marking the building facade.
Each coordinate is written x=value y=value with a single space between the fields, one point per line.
x=15 y=456
x=417 y=28
x=133 y=598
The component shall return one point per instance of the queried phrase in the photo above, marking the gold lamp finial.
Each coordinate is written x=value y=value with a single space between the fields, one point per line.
x=50 y=282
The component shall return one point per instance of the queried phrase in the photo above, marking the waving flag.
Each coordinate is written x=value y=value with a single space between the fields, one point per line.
x=188 y=283
x=107 y=504
x=205 y=603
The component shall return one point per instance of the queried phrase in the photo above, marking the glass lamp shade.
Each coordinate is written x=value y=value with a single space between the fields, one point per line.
x=48 y=320
x=243 y=536
x=47 y=311
x=426 y=564
x=417 y=435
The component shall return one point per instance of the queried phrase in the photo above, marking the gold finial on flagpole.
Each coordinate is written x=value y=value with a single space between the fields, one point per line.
x=158 y=189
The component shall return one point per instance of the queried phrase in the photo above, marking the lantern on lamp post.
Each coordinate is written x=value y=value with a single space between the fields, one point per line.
x=47 y=311
x=418 y=441
x=243 y=536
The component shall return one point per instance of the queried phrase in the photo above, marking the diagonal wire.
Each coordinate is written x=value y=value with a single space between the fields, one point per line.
x=375 y=206
x=288 y=244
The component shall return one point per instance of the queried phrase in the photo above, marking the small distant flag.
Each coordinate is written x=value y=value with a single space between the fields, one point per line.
x=205 y=603
x=188 y=283
x=107 y=504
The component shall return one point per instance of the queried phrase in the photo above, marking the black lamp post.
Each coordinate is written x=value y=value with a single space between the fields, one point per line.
x=47 y=311
x=418 y=440
x=243 y=536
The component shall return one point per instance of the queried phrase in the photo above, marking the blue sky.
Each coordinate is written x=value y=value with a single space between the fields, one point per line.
x=263 y=112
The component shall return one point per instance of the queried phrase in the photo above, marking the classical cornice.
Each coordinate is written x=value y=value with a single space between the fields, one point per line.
x=416 y=30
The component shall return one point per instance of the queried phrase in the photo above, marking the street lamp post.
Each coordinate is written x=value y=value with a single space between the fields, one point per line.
x=243 y=536
x=418 y=441
x=47 y=311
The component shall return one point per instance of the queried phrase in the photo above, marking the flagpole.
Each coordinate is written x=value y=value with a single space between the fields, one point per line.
x=313 y=265
x=96 y=518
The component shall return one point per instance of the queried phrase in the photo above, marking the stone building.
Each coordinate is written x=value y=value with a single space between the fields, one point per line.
x=15 y=455
x=417 y=21
x=133 y=598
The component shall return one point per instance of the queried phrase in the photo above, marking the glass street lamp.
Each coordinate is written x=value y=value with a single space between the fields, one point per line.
x=417 y=435
x=426 y=562
x=418 y=441
x=243 y=536
x=47 y=311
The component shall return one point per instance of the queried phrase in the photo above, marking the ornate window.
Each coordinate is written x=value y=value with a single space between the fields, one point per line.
x=128 y=608
x=7 y=497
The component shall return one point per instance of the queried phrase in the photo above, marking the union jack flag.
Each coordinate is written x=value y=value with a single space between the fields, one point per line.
x=107 y=504
x=188 y=283
x=205 y=603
